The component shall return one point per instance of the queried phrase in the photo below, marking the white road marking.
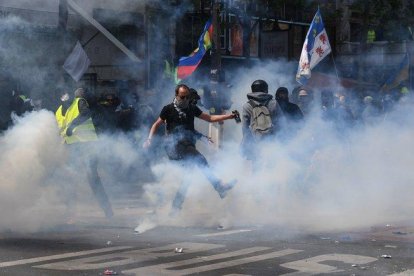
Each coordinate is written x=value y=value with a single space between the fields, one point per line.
x=62 y=256
x=404 y=273
x=312 y=265
x=167 y=269
x=129 y=257
x=223 y=233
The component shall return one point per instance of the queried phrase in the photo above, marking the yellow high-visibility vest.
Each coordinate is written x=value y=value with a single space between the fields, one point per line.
x=371 y=36
x=84 y=132
x=60 y=119
x=404 y=90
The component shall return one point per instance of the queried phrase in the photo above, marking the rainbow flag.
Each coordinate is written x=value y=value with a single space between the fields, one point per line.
x=187 y=65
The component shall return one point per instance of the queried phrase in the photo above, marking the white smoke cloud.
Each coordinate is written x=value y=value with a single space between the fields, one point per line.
x=44 y=182
x=322 y=179
x=30 y=152
x=319 y=180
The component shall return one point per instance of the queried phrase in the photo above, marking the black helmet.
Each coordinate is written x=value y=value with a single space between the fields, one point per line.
x=259 y=86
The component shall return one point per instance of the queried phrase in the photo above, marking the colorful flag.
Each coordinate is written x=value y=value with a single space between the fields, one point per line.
x=170 y=72
x=77 y=62
x=187 y=65
x=399 y=76
x=315 y=48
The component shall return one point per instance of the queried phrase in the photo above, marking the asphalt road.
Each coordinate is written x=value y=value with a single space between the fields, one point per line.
x=92 y=244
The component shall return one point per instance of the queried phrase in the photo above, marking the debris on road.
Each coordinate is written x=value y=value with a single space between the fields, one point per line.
x=399 y=233
x=110 y=272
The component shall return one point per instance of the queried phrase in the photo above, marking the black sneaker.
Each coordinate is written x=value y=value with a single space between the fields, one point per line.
x=224 y=189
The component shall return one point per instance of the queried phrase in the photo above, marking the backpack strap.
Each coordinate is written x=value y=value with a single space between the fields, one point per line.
x=254 y=104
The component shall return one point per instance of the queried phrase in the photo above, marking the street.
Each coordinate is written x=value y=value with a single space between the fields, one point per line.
x=91 y=245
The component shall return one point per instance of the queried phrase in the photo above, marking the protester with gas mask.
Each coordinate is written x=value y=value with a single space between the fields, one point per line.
x=180 y=140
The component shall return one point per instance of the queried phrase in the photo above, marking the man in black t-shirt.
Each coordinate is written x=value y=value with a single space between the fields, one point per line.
x=180 y=145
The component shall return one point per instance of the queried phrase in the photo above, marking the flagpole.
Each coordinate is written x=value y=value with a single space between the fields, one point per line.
x=409 y=72
x=216 y=129
x=336 y=69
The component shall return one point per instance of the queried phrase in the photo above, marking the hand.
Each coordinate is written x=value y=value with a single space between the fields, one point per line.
x=69 y=132
x=236 y=116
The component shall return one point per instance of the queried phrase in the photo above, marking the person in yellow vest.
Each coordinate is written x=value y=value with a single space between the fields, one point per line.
x=371 y=36
x=78 y=121
x=79 y=132
x=404 y=90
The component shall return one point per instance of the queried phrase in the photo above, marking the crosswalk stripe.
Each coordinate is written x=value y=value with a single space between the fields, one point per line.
x=404 y=273
x=140 y=271
x=223 y=233
x=239 y=261
x=62 y=256
x=166 y=269
x=129 y=256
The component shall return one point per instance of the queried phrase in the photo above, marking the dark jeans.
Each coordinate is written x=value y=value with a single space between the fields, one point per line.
x=98 y=189
x=187 y=154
